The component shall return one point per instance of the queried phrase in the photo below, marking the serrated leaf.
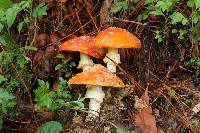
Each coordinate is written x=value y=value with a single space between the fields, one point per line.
x=156 y=12
x=120 y=5
x=31 y=48
x=6 y=100
x=11 y=14
x=163 y=5
x=2 y=78
x=39 y=11
x=50 y=127
x=177 y=17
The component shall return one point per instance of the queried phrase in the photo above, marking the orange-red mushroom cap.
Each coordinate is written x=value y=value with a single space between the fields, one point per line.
x=97 y=75
x=84 y=44
x=114 y=37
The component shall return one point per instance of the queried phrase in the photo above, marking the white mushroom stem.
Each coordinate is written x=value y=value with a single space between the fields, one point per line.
x=96 y=96
x=85 y=62
x=115 y=56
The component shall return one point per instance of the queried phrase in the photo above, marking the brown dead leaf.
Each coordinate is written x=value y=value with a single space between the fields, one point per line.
x=146 y=121
x=42 y=40
x=54 y=37
x=47 y=114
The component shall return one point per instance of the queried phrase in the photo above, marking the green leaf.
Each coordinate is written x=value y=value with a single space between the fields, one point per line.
x=174 y=30
x=150 y=1
x=2 y=78
x=11 y=14
x=4 y=4
x=60 y=56
x=177 y=17
x=50 y=127
x=1 y=27
x=143 y=16
x=6 y=41
x=182 y=32
x=25 y=4
x=39 y=11
x=171 y=92
x=121 y=130
x=197 y=3
x=159 y=37
x=22 y=24
x=31 y=48
x=157 y=12
x=190 y=3
x=58 y=67
x=6 y=100
x=196 y=17
x=163 y=5
x=22 y=60
x=1 y=121
x=120 y=5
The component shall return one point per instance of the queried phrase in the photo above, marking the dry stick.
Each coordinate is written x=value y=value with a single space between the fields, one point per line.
x=91 y=17
x=130 y=21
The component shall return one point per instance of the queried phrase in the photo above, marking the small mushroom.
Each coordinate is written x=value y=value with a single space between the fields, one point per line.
x=85 y=45
x=114 y=38
x=96 y=76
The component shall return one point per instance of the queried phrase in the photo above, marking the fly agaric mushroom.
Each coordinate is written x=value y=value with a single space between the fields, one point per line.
x=96 y=76
x=83 y=44
x=114 y=38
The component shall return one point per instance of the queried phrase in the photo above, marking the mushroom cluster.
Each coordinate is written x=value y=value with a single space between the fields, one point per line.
x=96 y=76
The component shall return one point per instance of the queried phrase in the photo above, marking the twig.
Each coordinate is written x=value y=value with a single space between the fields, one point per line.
x=130 y=21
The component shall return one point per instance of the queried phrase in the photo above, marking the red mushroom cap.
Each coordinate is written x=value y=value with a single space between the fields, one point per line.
x=84 y=44
x=97 y=75
x=114 y=37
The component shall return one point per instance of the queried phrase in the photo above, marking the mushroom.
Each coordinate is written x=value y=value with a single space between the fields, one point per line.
x=83 y=44
x=96 y=76
x=114 y=38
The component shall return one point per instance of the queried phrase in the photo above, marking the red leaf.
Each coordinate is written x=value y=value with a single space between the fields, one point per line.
x=146 y=121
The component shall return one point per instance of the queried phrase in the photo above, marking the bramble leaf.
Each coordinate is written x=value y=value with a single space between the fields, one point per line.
x=2 y=78
x=11 y=14
x=39 y=11
x=120 y=5
x=177 y=17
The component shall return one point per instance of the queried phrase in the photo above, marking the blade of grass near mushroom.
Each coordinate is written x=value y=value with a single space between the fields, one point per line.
x=114 y=38
x=96 y=76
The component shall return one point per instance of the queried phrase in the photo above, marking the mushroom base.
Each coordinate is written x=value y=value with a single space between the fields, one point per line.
x=96 y=95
